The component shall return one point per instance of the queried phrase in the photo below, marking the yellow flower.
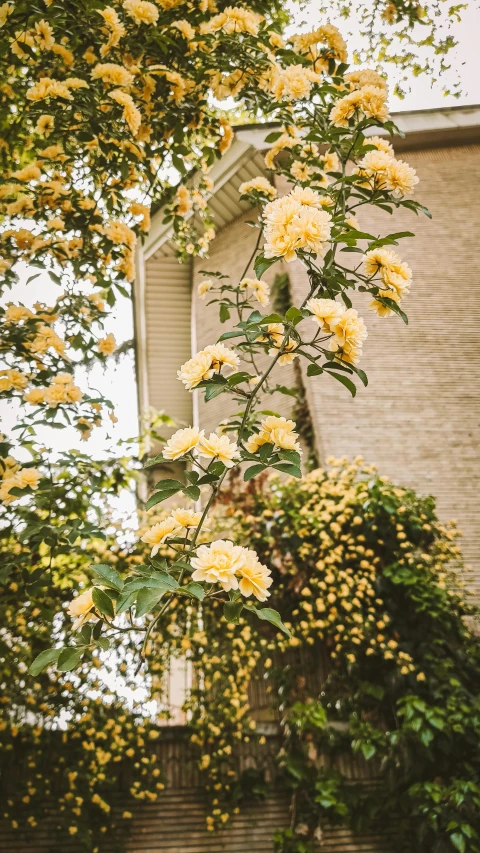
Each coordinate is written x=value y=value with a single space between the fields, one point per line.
x=196 y=370
x=277 y=431
x=44 y=35
x=28 y=173
x=259 y=185
x=204 y=287
x=157 y=534
x=326 y=312
x=12 y=379
x=293 y=82
x=35 y=396
x=219 y=447
x=182 y=442
x=260 y=289
x=186 y=517
x=218 y=563
x=222 y=355
x=131 y=113
x=106 y=346
x=81 y=607
x=255 y=577
x=110 y=72
x=400 y=178
x=138 y=209
x=141 y=11
x=183 y=200
x=45 y=125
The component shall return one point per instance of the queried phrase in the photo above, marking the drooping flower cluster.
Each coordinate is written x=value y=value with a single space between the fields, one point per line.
x=232 y=567
x=395 y=276
x=206 y=363
x=296 y=223
x=343 y=324
x=184 y=441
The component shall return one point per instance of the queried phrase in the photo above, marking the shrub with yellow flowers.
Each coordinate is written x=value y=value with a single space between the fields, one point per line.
x=381 y=667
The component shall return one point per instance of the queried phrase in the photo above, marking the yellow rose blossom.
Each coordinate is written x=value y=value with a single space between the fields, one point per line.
x=219 y=447
x=186 y=518
x=195 y=370
x=255 y=578
x=107 y=345
x=218 y=563
x=44 y=35
x=80 y=608
x=109 y=72
x=35 y=396
x=13 y=379
x=293 y=82
x=131 y=113
x=141 y=11
x=182 y=442
x=204 y=287
x=259 y=185
x=156 y=535
x=260 y=288
x=28 y=173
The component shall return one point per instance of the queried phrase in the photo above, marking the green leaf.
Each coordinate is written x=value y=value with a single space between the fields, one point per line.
x=158 y=582
x=368 y=750
x=262 y=264
x=458 y=841
x=103 y=603
x=169 y=484
x=236 y=378
x=69 y=658
x=195 y=589
x=314 y=370
x=147 y=600
x=294 y=315
x=103 y=643
x=109 y=576
x=125 y=601
x=393 y=305
x=227 y=335
x=192 y=492
x=253 y=471
x=213 y=391
x=289 y=468
x=271 y=318
x=232 y=610
x=272 y=137
x=43 y=660
x=272 y=616
x=344 y=381
x=224 y=313
x=158 y=497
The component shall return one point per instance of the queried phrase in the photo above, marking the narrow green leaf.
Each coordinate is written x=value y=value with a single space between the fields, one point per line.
x=253 y=471
x=43 y=660
x=289 y=468
x=147 y=600
x=109 y=576
x=103 y=603
x=232 y=610
x=344 y=381
x=272 y=616
x=158 y=497
x=69 y=658
x=458 y=841
x=314 y=370
x=195 y=589
x=125 y=601
x=213 y=391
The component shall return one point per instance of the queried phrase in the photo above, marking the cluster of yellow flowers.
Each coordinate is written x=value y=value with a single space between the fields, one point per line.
x=365 y=101
x=395 y=275
x=61 y=389
x=206 y=364
x=223 y=562
x=260 y=289
x=343 y=324
x=294 y=223
x=216 y=446
x=13 y=476
x=333 y=46
x=277 y=431
x=382 y=171
x=258 y=185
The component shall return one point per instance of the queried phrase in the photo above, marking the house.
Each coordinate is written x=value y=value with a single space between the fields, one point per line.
x=418 y=420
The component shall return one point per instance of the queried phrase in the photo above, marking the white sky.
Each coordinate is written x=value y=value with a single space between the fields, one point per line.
x=118 y=381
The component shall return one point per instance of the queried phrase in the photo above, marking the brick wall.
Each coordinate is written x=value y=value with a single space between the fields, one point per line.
x=418 y=420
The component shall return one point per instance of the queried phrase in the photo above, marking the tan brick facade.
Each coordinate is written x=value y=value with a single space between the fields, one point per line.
x=418 y=420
